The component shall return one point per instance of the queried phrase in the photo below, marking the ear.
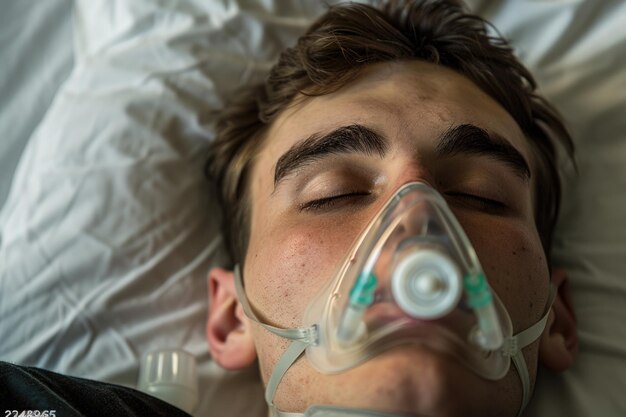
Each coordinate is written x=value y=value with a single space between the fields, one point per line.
x=228 y=329
x=559 y=341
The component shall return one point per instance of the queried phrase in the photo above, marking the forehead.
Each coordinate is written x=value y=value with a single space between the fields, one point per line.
x=411 y=103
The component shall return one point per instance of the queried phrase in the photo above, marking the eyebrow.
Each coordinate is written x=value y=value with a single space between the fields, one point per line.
x=354 y=138
x=469 y=139
x=465 y=139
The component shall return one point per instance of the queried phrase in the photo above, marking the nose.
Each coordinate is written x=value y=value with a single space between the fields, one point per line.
x=412 y=267
x=410 y=219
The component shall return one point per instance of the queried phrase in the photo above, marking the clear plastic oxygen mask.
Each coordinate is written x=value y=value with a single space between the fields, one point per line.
x=412 y=277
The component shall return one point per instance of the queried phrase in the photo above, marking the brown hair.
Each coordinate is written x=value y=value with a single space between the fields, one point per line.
x=344 y=40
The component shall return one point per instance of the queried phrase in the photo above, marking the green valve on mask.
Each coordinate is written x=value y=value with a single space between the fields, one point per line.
x=362 y=293
x=478 y=293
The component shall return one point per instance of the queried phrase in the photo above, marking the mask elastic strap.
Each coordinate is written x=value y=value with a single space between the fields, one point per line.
x=287 y=359
x=301 y=339
x=306 y=335
x=516 y=343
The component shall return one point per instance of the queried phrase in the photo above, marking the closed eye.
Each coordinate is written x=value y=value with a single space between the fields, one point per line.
x=334 y=201
x=476 y=202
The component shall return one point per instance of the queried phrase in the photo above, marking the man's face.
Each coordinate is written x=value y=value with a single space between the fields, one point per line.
x=303 y=225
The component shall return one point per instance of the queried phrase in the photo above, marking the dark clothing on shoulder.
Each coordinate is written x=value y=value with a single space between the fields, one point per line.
x=26 y=388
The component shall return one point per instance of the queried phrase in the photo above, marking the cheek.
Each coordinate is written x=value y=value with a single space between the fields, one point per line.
x=285 y=270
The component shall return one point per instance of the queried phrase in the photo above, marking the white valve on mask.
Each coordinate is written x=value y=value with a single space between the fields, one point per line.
x=426 y=284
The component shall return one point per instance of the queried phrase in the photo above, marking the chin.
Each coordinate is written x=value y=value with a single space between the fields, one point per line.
x=417 y=381
x=406 y=381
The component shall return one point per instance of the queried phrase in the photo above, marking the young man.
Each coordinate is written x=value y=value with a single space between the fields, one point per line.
x=370 y=103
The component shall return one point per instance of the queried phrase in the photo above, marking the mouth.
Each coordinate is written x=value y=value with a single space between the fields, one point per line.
x=383 y=313
x=388 y=317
